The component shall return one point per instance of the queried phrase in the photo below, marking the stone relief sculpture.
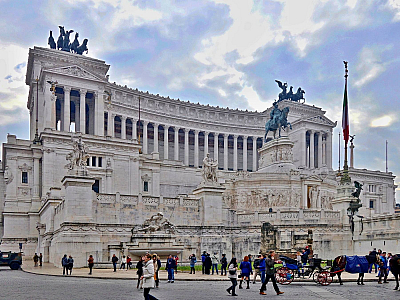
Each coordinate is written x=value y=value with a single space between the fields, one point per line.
x=8 y=176
x=209 y=170
x=78 y=156
x=313 y=194
x=155 y=223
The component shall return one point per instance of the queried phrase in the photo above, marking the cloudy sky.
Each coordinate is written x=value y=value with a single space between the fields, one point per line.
x=227 y=53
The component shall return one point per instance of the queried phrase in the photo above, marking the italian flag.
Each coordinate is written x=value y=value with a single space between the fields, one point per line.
x=345 y=116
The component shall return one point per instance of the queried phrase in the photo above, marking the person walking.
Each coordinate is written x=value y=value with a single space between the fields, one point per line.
x=176 y=263
x=170 y=267
x=123 y=263
x=90 y=263
x=193 y=261
x=383 y=268
x=36 y=259
x=270 y=274
x=208 y=264
x=139 y=272
x=224 y=264
x=245 y=267
x=261 y=267
x=128 y=262
x=157 y=267
x=372 y=260
x=148 y=277
x=70 y=264
x=40 y=260
x=114 y=260
x=203 y=261
x=64 y=263
x=214 y=261
x=232 y=270
x=256 y=268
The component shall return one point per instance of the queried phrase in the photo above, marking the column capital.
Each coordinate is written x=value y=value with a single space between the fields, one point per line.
x=196 y=132
x=165 y=126
x=82 y=91
x=206 y=133
x=245 y=137
x=67 y=89
x=156 y=125
x=187 y=130
x=216 y=134
x=176 y=128
x=311 y=131
x=235 y=136
x=226 y=135
x=145 y=123
x=123 y=118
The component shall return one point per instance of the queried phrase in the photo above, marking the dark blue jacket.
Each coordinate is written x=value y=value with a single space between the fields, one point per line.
x=384 y=261
x=203 y=258
x=171 y=263
x=64 y=261
x=246 y=269
x=261 y=266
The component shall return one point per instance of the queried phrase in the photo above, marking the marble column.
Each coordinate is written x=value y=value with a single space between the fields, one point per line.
x=235 y=153
x=176 y=143
x=134 y=129
x=254 y=153
x=99 y=113
x=123 y=127
x=329 y=150
x=155 y=126
x=303 y=148
x=82 y=110
x=196 y=148
x=186 y=162
x=245 y=152
x=311 y=149
x=216 y=146
x=144 y=147
x=166 y=141
x=206 y=143
x=110 y=127
x=226 y=135
x=36 y=173
x=67 y=109
x=319 y=149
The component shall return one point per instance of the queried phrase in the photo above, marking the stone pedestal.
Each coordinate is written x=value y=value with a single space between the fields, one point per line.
x=342 y=201
x=211 y=195
x=276 y=156
x=78 y=198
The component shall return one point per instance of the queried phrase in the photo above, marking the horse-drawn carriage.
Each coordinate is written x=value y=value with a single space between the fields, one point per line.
x=291 y=269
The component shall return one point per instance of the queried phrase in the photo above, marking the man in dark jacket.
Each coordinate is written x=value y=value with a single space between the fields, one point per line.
x=224 y=264
x=64 y=263
x=203 y=260
x=304 y=256
x=170 y=267
x=114 y=260
x=270 y=274
x=208 y=264
x=261 y=267
x=256 y=268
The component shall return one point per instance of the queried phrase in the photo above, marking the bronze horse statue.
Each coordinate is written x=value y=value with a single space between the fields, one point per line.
x=395 y=268
x=277 y=123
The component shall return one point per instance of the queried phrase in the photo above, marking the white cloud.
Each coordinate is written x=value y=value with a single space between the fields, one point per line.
x=395 y=6
x=383 y=121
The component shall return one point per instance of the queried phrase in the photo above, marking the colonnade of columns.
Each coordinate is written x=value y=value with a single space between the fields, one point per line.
x=114 y=120
x=318 y=148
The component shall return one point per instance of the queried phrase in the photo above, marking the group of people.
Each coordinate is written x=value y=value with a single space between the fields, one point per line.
x=38 y=259
x=263 y=266
x=380 y=261
x=67 y=264
x=209 y=262
x=147 y=270
x=126 y=262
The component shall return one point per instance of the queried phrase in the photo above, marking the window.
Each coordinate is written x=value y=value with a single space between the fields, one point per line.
x=100 y=161
x=24 y=177
x=145 y=186
x=93 y=161
x=372 y=188
x=371 y=203
x=87 y=162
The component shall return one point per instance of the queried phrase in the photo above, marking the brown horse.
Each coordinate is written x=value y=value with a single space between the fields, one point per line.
x=395 y=268
x=338 y=266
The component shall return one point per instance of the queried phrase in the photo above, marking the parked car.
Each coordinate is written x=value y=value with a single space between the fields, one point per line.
x=11 y=259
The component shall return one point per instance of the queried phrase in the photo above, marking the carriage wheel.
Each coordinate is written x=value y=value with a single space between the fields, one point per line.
x=284 y=275
x=324 y=278
x=315 y=276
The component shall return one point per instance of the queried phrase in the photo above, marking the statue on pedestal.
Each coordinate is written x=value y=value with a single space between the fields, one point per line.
x=156 y=223
x=78 y=156
x=209 y=171
x=63 y=42
x=284 y=95
x=278 y=120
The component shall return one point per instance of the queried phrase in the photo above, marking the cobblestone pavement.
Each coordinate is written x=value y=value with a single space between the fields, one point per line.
x=20 y=285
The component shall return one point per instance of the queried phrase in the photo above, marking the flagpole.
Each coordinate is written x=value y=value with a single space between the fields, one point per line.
x=386 y=156
x=339 y=152
x=345 y=124
x=140 y=150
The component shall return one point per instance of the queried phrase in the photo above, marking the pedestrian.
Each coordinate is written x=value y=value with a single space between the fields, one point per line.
x=157 y=266
x=250 y=258
x=170 y=267
x=261 y=267
x=256 y=268
x=139 y=272
x=208 y=264
x=36 y=259
x=90 y=263
x=193 y=260
x=270 y=274
x=123 y=263
x=203 y=261
x=148 y=277
x=176 y=263
x=245 y=270
x=232 y=269
x=373 y=260
x=40 y=260
x=214 y=261
x=128 y=262
x=383 y=268
x=224 y=264
x=114 y=260
x=304 y=256
x=70 y=264
x=64 y=263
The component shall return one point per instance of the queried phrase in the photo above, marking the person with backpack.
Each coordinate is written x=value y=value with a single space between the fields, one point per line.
x=270 y=274
x=232 y=269
x=193 y=261
x=224 y=264
x=256 y=268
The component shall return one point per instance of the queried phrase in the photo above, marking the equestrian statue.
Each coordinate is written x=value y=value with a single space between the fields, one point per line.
x=284 y=95
x=277 y=121
x=64 y=44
